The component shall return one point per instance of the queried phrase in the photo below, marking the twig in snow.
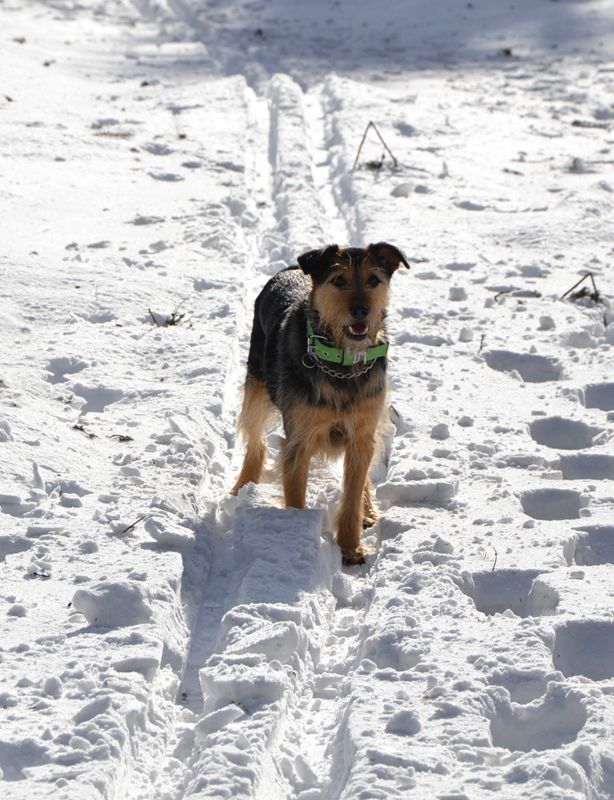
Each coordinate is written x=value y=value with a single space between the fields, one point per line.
x=371 y=124
x=582 y=123
x=482 y=339
x=500 y=294
x=134 y=524
x=174 y=319
x=517 y=293
x=492 y=569
x=81 y=429
x=594 y=295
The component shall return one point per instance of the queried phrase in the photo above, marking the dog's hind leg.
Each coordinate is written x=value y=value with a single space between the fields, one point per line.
x=370 y=514
x=255 y=413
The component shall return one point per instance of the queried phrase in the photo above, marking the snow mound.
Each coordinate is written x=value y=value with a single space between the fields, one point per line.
x=169 y=533
x=433 y=492
x=110 y=605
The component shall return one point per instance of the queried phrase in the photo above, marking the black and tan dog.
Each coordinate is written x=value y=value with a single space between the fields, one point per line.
x=318 y=354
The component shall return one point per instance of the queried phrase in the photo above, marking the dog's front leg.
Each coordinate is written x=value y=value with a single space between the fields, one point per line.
x=358 y=457
x=295 y=468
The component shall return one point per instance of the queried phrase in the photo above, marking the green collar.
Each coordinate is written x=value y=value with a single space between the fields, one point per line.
x=320 y=348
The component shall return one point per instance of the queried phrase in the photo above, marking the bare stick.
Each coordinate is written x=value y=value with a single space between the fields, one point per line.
x=500 y=294
x=381 y=138
x=371 y=124
x=590 y=274
x=134 y=524
x=577 y=283
x=174 y=318
x=362 y=141
x=495 y=561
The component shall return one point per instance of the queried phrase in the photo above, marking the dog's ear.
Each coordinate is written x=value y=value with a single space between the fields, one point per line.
x=388 y=256
x=316 y=263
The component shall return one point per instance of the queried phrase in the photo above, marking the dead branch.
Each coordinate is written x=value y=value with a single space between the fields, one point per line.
x=371 y=124
x=81 y=429
x=584 y=292
x=174 y=319
x=134 y=524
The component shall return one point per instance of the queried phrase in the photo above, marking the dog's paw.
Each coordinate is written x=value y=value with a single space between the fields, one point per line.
x=369 y=519
x=353 y=557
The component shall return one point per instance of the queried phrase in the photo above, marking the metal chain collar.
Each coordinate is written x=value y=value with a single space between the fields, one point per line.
x=333 y=373
x=316 y=362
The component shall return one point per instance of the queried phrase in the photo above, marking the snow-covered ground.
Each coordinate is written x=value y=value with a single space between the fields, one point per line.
x=162 y=640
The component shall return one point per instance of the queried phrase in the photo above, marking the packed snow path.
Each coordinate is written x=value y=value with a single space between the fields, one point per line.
x=161 y=639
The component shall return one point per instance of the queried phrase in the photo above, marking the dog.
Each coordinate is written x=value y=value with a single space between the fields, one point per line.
x=318 y=355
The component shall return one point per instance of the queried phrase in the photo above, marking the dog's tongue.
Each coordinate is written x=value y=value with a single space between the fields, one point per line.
x=358 y=328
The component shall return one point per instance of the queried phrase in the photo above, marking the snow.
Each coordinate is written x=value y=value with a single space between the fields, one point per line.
x=161 y=639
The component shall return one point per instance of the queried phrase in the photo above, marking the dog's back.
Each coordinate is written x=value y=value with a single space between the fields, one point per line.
x=283 y=297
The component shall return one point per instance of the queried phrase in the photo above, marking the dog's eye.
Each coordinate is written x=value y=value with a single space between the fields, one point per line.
x=373 y=281
x=339 y=282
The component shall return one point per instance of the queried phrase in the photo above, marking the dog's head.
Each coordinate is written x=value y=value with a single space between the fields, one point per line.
x=350 y=289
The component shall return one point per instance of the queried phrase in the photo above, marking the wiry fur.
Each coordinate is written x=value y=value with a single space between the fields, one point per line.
x=344 y=291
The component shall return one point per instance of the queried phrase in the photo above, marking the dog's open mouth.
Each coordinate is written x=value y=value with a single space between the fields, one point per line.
x=358 y=330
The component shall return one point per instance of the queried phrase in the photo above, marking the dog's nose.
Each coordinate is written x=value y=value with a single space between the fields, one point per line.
x=359 y=312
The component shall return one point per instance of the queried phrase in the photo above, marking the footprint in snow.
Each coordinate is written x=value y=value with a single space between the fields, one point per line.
x=170 y=177
x=405 y=129
x=460 y=266
x=531 y=368
x=593 y=545
x=554 y=722
x=552 y=504
x=104 y=122
x=563 y=434
x=97 y=398
x=523 y=685
x=517 y=590
x=469 y=205
x=157 y=149
x=585 y=647
x=10 y=544
x=587 y=466
x=598 y=395
x=146 y=220
x=58 y=368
